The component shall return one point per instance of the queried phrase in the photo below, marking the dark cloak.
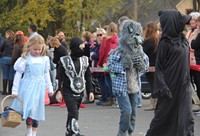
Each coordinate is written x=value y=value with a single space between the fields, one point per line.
x=173 y=114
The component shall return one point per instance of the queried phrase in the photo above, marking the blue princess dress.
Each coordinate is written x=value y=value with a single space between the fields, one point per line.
x=31 y=87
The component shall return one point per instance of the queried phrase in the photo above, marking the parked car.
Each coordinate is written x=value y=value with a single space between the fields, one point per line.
x=145 y=88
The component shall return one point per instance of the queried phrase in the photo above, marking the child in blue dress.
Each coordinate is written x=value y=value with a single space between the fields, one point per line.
x=30 y=88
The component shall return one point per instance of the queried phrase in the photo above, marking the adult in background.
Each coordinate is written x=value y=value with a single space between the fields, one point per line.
x=173 y=113
x=8 y=71
x=94 y=56
x=32 y=30
x=191 y=35
x=22 y=33
x=109 y=42
x=50 y=54
x=61 y=38
x=18 y=46
x=86 y=37
x=58 y=52
x=1 y=41
x=150 y=48
x=196 y=46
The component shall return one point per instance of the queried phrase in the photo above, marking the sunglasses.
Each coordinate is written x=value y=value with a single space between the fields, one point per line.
x=99 y=35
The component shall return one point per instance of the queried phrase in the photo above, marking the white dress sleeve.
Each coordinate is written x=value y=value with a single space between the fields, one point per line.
x=19 y=67
x=47 y=76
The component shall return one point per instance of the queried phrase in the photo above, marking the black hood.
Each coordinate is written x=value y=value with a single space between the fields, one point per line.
x=172 y=22
x=76 y=52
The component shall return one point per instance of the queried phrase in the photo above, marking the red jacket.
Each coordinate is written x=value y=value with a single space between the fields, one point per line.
x=106 y=45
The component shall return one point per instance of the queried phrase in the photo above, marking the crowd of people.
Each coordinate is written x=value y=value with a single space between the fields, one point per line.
x=124 y=51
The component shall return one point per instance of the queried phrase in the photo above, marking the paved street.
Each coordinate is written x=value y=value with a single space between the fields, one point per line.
x=94 y=121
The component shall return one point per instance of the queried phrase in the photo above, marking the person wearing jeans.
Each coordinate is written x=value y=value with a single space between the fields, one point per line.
x=8 y=74
x=8 y=71
x=124 y=64
x=110 y=98
x=103 y=89
x=128 y=107
x=109 y=42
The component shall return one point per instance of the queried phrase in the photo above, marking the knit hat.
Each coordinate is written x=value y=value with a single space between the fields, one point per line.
x=76 y=52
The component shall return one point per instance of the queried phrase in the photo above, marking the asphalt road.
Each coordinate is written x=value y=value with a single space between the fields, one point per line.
x=94 y=121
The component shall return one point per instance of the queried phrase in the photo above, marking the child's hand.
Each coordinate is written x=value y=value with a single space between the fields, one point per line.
x=14 y=96
x=51 y=94
x=91 y=97
x=105 y=64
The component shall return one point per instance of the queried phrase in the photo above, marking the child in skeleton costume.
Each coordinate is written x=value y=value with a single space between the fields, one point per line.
x=74 y=76
x=125 y=63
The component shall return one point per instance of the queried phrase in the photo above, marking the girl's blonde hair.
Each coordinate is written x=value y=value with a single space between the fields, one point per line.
x=54 y=42
x=37 y=39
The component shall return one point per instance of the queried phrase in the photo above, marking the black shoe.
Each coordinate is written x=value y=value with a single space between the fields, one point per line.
x=73 y=135
x=4 y=93
x=88 y=102
x=66 y=134
x=99 y=103
x=80 y=135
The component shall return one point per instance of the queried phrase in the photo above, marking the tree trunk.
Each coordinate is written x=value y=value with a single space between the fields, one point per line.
x=135 y=3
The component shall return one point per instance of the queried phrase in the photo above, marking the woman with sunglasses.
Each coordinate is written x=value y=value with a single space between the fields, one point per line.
x=94 y=56
x=109 y=42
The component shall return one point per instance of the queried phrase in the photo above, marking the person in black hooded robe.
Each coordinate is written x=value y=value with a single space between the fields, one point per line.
x=173 y=114
x=74 y=77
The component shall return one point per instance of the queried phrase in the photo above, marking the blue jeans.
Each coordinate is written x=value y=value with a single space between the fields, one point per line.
x=103 y=88
x=140 y=92
x=128 y=107
x=139 y=98
x=7 y=68
x=109 y=86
